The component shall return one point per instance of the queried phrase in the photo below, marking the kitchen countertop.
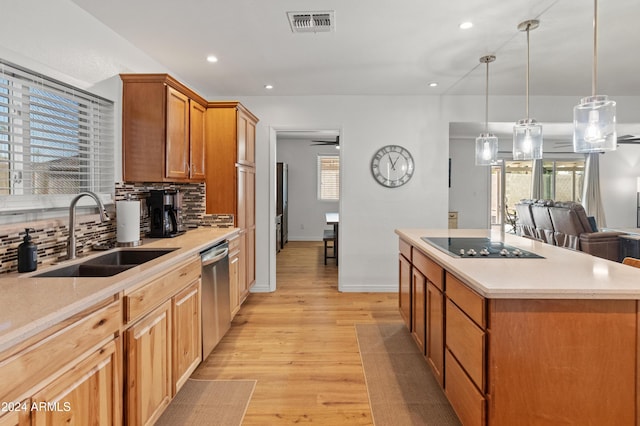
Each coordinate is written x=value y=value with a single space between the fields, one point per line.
x=30 y=304
x=562 y=274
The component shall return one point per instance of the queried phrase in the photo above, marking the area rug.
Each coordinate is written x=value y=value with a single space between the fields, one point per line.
x=402 y=390
x=209 y=402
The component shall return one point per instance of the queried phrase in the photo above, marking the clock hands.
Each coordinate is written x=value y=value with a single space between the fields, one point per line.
x=393 y=163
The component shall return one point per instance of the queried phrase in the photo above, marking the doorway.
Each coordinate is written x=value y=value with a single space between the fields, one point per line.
x=311 y=184
x=511 y=182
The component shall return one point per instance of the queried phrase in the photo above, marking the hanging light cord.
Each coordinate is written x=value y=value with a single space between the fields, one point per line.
x=527 y=90
x=594 y=84
x=486 y=102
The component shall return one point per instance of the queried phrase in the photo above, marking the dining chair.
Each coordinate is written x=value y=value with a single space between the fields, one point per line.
x=631 y=261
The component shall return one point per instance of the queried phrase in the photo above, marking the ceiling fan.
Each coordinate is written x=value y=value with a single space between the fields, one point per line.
x=334 y=143
x=628 y=139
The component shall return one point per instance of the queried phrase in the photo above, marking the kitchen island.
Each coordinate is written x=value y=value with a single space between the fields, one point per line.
x=524 y=340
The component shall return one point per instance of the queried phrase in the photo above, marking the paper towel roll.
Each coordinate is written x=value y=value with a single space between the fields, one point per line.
x=128 y=222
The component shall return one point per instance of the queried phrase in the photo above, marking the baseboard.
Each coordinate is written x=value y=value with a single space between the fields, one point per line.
x=361 y=288
x=304 y=238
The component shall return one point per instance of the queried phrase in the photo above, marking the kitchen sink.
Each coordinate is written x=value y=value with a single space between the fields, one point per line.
x=108 y=264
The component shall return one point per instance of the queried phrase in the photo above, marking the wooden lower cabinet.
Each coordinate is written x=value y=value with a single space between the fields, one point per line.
x=404 y=299
x=418 y=308
x=19 y=415
x=187 y=334
x=434 y=349
x=234 y=275
x=88 y=394
x=148 y=366
x=468 y=403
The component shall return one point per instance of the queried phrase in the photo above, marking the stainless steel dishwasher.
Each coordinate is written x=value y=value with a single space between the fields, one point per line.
x=216 y=310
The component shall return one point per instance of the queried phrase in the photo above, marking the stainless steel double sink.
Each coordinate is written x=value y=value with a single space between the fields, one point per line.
x=108 y=264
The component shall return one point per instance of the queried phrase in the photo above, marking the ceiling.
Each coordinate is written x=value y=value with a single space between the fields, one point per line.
x=383 y=47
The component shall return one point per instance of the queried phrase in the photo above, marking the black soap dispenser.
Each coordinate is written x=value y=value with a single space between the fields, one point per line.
x=27 y=254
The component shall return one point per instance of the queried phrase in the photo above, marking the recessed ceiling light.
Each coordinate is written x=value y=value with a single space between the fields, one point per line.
x=466 y=25
x=212 y=59
x=433 y=84
x=268 y=86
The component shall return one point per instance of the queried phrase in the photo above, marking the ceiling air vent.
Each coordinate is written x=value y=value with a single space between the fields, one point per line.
x=312 y=22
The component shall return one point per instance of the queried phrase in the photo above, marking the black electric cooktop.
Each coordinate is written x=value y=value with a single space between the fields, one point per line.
x=479 y=247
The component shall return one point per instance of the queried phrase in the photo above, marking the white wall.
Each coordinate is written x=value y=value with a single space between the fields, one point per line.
x=369 y=213
x=306 y=213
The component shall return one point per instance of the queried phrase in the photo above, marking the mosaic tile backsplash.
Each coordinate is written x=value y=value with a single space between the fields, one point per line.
x=51 y=235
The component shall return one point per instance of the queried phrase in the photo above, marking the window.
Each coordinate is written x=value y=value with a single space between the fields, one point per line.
x=55 y=141
x=328 y=177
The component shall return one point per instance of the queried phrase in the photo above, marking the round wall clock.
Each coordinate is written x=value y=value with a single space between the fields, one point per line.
x=392 y=166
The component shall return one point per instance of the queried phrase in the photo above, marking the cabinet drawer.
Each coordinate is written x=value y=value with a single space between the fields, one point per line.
x=468 y=403
x=234 y=244
x=41 y=361
x=144 y=299
x=467 y=342
x=429 y=268
x=405 y=249
x=469 y=301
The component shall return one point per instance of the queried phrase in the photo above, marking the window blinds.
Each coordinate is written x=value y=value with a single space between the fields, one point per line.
x=54 y=139
x=328 y=177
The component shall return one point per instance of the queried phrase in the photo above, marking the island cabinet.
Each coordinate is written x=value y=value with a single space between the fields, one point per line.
x=162 y=340
x=68 y=374
x=163 y=130
x=507 y=359
x=404 y=279
x=231 y=178
x=465 y=353
x=427 y=311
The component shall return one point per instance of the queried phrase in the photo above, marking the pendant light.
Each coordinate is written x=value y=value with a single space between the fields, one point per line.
x=594 y=120
x=486 y=143
x=527 y=133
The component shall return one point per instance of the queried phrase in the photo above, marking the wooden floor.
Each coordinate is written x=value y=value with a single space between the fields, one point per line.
x=299 y=343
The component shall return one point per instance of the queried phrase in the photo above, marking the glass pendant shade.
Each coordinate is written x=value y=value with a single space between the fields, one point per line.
x=486 y=149
x=594 y=122
x=527 y=140
x=486 y=143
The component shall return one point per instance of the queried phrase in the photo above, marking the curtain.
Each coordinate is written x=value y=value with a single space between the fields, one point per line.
x=536 y=180
x=591 y=199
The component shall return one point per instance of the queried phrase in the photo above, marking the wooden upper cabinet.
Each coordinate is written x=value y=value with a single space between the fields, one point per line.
x=230 y=143
x=177 y=144
x=162 y=130
x=197 y=141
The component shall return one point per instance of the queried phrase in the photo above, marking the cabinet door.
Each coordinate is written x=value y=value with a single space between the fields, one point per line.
x=187 y=337
x=404 y=299
x=435 y=331
x=149 y=366
x=418 y=313
x=19 y=417
x=246 y=138
x=88 y=394
x=234 y=294
x=177 y=150
x=197 y=141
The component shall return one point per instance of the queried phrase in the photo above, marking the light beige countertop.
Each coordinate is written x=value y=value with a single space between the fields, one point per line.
x=30 y=304
x=562 y=274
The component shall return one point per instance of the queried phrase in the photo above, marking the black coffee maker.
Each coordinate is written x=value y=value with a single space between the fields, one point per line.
x=164 y=213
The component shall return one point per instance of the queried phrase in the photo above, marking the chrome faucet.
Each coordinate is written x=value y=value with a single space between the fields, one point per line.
x=71 y=245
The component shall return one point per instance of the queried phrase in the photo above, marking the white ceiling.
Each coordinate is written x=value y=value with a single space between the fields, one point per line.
x=383 y=47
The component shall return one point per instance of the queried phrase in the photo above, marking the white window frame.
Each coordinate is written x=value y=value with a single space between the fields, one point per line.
x=320 y=172
x=96 y=129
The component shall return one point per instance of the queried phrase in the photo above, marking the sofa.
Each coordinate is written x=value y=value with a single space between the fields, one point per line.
x=566 y=224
